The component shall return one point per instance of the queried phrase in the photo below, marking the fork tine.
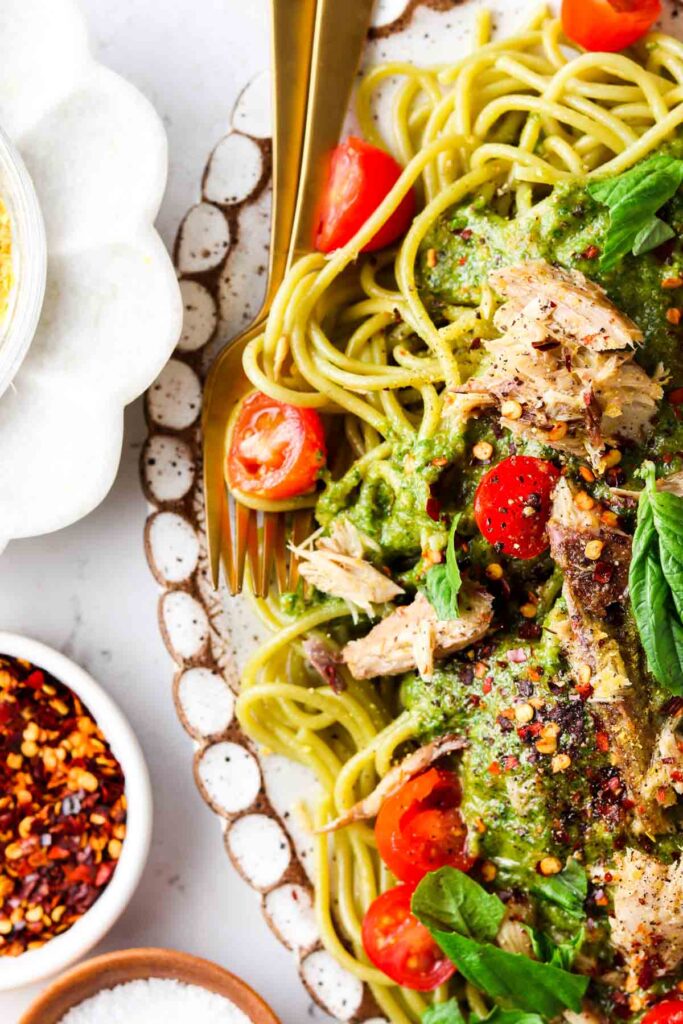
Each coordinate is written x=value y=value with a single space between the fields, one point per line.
x=302 y=522
x=281 y=552
x=227 y=555
x=246 y=542
x=268 y=549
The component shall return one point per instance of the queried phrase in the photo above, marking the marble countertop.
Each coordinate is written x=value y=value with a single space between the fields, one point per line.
x=87 y=590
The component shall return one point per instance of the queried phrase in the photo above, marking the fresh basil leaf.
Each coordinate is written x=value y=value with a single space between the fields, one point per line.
x=442 y=582
x=673 y=574
x=568 y=889
x=450 y=898
x=667 y=511
x=500 y=1016
x=526 y=984
x=652 y=234
x=656 y=581
x=561 y=954
x=634 y=198
x=444 y=1013
x=450 y=1013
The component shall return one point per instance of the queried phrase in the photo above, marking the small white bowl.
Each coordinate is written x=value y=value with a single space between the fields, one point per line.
x=64 y=949
x=29 y=261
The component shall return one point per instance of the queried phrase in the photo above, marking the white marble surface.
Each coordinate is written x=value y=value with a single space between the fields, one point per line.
x=87 y=590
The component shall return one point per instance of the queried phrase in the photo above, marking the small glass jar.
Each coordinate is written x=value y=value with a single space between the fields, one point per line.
x=29 y=261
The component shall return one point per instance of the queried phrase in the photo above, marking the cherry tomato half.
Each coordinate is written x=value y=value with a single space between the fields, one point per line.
x=361 y=176
x=608 y=24
x=420 y=829
x=670 y=1011
x=275 y=450
x=399 y=945
x=512 y=504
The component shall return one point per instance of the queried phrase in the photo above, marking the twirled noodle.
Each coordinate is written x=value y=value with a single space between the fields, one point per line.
x=350 y=336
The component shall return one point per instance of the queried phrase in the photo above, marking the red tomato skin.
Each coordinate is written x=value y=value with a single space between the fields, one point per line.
x=361 y=176
x=392 y=936
x=503 y=494
x=608 y=25
x=420 y=829
x=669 y=1011
x=288 y=467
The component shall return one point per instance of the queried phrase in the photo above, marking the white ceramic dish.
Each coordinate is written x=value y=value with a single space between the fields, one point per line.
x=29 y=261
x=96 y=153
x=210 y=635
x=60 y=952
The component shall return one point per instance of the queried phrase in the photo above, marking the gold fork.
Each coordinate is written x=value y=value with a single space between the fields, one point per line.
x=292 y=26
x=340 y=31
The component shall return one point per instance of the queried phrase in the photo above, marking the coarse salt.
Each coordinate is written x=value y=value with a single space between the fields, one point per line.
x=155 y=1001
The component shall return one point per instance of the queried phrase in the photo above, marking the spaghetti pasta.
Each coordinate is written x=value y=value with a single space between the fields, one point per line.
x=351 y=336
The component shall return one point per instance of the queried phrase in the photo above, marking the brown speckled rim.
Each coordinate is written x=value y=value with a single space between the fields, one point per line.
x=215 y=652
x=112 y=969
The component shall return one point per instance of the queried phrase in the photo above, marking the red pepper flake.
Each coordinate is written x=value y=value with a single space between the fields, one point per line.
x=510 y=762
x=433 y=509
x=673 y=315
x=35 y=679
x=462 y=261
x=590 y=252
x=62 y=808
x=584 y=690
x=602 y=741
x=494 y=768
x=602 y=573
x=487 y=685
x=466 y=234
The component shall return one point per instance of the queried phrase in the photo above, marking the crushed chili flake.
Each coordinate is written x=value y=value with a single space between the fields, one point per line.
x=602 y=741
x=62 y=808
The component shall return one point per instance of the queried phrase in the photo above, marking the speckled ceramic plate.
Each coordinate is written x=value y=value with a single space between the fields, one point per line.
x=96 y=152
x=221 y=254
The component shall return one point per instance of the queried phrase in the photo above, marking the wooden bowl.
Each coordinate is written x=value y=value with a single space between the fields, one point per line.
x=112 y=969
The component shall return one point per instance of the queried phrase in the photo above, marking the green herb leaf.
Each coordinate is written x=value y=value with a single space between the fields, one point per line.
x=500 y=1016
x=444 y=1013
x=656 y=581
x=567 y=890
x=450 y=1013
x=561 y=954
x=464 y=919
x=652 y=234
x=442 y=582
x=634 y=198
x=448 y=898
x=526 y=984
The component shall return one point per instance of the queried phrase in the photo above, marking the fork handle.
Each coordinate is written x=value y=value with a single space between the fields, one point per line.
x=292 y=28
x=340 y=32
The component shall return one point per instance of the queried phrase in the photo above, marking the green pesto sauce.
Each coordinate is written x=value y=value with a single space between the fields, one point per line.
x=518 y=809
x=471 y=241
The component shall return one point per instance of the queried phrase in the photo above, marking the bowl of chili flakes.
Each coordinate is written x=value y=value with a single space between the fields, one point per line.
x=75 y=811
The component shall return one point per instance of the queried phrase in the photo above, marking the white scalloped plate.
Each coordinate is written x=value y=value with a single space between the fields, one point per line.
x=96 y=151
x=221 y=252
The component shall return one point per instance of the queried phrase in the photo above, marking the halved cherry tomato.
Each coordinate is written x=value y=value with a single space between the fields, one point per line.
x=512 y=504
x=361 y=176
x=670 y=1011
x=608 y=24
x=275 y=450
x=400 y=945
x=420 y=829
